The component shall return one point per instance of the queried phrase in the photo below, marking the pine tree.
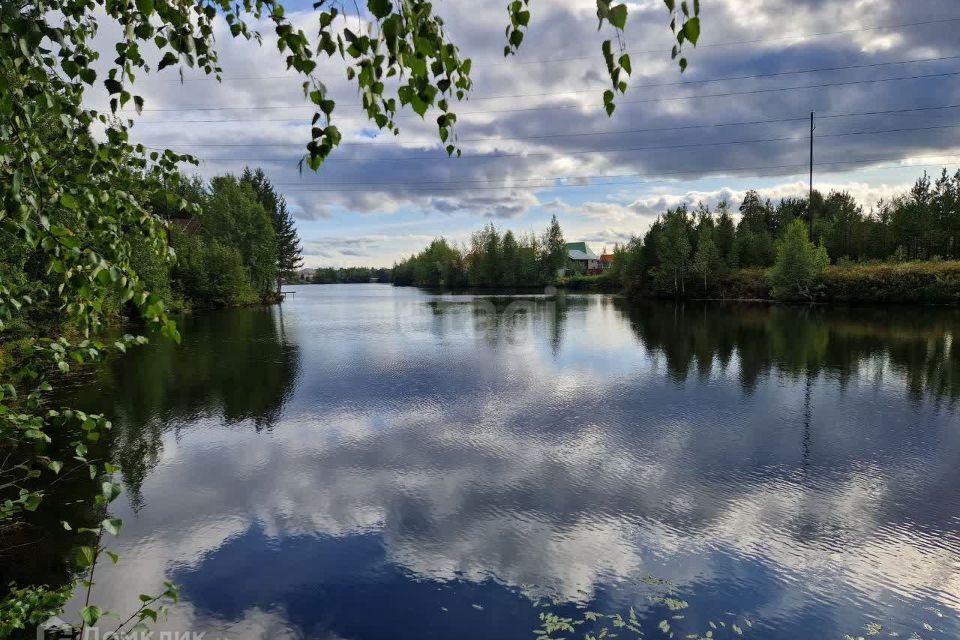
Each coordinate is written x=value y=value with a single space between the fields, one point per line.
x=509 y=255
x=726 y=235
x=288 y=243
x=289 y=251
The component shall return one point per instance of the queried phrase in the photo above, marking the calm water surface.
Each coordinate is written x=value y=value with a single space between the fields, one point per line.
x=372 y=462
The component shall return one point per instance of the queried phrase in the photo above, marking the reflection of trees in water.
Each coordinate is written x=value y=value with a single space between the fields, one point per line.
x=36 y=549
x=236 y=365
x=914 y=344
x=501 y=319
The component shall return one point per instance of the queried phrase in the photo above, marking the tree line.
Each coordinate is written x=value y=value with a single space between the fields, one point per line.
x=795 y=238
x=229 y=242
x=491 y=260
x=770 y=249
x=237 y=251
x=350 y=275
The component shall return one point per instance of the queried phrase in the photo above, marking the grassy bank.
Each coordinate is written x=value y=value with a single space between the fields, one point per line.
x=889 y=283
x=602 y=283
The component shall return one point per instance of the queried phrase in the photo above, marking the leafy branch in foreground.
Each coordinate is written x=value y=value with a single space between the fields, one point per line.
x=684 y=23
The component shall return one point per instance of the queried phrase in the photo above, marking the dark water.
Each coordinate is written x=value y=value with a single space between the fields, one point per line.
x=372 y=462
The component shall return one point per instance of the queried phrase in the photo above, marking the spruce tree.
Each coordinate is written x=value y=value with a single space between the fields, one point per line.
x=555 y=249
x=289 y=251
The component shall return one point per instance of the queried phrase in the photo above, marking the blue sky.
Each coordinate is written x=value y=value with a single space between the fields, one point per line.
x=381 y=198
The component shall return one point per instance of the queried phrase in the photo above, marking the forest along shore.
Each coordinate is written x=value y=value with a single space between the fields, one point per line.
x=828 y=249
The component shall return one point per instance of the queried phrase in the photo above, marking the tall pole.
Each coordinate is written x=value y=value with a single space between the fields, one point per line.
x=810 y=200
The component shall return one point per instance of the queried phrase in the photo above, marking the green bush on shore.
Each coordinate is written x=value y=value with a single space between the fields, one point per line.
x=603 y=282
x=908 y=282
x=893 y=283
x=744 y=284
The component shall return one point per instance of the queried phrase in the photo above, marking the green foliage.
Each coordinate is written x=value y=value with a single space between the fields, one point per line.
x=921 y=225
x=233 y=216
x=230 y=254
x=439 y=265
x=602 y=282
x=907 y=282
x=799 y=264
x=665 y=608
x=509 y=260
x=707 y=260
x=492 y=261
x=484 y=262
x=347 y=275
x=154 y=271
x=288 y=249
x=80 y=217
x=554 y=249
x=211 y=274
x=73 y=224
x=670 y=236
x=684 y=23
x=24 y=609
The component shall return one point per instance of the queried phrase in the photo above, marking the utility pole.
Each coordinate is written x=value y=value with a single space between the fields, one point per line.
x=810 y=200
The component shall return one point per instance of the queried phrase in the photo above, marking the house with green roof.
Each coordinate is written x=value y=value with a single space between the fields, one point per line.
x=582 y=259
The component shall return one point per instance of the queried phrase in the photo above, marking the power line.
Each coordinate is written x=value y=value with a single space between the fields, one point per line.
x=730 y=43
x=504 y=139
x=754 y=76
x=373 y=143
x=801 y=166
x=550 y=179
x=227 y=120
x=621 y=102
x=820 y=34
x=667 y=147
x=530 y=155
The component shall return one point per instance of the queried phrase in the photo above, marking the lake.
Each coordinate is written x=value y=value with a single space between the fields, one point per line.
x=369 y=462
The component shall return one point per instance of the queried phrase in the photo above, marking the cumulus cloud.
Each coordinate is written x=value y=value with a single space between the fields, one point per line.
x=865 y=193
x=538 y=118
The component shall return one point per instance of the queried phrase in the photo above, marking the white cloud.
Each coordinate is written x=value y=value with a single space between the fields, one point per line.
x=409 y=175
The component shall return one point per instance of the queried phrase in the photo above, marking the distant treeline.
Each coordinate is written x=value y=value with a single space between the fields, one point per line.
x=783 y=250
x=493 y=260
x=231 y=251
x=691 y=252
x=347 y=275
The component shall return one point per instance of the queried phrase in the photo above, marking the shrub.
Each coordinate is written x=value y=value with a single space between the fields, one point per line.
x=798 y=266
x=211 y=274
x=605 y=282
x=914 y=282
